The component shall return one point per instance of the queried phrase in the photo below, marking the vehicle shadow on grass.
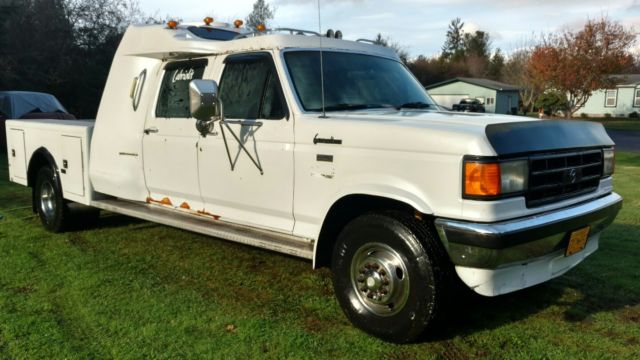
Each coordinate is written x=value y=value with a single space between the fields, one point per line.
x=605 y=282
x=110 y=220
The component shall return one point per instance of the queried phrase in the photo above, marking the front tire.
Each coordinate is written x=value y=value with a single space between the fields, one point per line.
x=51 y=206
x=391 y=275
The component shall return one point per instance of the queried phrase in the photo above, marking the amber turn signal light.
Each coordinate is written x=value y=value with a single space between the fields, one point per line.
x=482 y=179
x=208 y=20
x=261 y=28
x=172 y=24
x=238 y=23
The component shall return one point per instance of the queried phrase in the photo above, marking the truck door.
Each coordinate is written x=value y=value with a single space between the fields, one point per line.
x=254 y=185
x=170 y=139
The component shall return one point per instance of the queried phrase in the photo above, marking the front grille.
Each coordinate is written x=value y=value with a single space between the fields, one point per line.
x=556 y=177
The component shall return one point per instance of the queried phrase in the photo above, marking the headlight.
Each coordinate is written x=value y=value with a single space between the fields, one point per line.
x=609 y=163
x=494 y=178
x=514 y=176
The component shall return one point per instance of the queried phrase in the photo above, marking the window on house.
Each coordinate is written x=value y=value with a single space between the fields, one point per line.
x=173 y=100
x=636 y=100
x=611 y=97
x=249 y=88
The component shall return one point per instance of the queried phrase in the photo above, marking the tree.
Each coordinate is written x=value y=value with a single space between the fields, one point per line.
x=477 y=44
x=516 y=72
x=578 y=63
x=453 y=48
x=496 y=65
x=399 y=49
x=551 y=101
x=261 y=15
x=465 y=54
x=64 y=47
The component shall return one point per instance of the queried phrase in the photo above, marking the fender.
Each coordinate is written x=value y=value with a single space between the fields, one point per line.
x=396 y=197
x=39 y=158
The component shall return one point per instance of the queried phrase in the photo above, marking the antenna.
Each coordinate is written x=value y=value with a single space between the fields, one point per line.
x=324 y=114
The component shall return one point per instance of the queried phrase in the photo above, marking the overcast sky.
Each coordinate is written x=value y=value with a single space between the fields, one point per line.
x=418 y=25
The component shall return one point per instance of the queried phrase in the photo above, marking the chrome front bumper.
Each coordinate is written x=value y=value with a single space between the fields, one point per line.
x=519 y=241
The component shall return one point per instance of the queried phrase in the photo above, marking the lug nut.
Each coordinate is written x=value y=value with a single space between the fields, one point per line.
x=385 y=282
x=376 y=266
x=360 y=278
x=370 y=295
x=363 y=289
x=382 y=272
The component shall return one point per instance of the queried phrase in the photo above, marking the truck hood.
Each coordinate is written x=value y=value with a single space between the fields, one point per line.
x=506 y=135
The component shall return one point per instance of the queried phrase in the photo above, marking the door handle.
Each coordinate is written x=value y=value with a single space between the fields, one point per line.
x=151 y=130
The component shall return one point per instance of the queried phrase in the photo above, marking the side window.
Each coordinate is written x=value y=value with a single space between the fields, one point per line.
x=173 y=100
x=249 y=88
x=611 y=98
x=273 y=104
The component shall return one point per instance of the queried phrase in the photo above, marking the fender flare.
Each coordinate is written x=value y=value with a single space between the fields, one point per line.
x=34 y=164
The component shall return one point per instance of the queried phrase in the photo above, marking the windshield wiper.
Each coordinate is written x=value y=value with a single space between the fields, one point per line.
x=348 y=107
x=414 y=105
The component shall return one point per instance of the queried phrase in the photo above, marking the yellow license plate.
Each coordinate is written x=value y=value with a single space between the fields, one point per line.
x=577 y=241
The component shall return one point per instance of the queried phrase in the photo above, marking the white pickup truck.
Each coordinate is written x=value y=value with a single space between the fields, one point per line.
x=329 y=150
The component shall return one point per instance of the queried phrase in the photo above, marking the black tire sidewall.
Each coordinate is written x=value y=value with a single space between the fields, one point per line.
x=55 y=223
x=419 y=309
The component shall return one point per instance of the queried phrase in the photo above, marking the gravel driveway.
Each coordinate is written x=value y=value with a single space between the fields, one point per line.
x=625 y=140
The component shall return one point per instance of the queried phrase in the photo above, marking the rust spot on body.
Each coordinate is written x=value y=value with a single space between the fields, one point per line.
x=164 y=201
x=203 y=212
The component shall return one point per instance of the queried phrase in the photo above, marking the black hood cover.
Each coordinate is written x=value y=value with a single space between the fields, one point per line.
x=547 y=135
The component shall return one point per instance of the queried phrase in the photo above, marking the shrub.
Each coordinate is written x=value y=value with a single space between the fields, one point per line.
x=634 y=115
x=584 y=115
x=551 y=101
x=607 y=116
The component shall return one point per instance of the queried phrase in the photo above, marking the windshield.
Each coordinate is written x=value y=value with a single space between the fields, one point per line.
x=353 y=82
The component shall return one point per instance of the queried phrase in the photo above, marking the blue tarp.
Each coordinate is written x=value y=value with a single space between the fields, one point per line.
x=14 y=104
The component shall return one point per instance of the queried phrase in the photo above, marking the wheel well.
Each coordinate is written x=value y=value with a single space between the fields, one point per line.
x=345 y=210
x=40 y=158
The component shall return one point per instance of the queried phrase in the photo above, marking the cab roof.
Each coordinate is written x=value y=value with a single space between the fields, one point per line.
x=161 y=42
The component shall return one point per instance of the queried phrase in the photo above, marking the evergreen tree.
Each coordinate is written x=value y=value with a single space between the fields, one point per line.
x=261 y=15
x=399 y=49
x=453 y=48
x=478 y=44
x=496 y=65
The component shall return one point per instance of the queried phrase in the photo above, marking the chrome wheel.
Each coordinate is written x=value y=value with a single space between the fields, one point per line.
x=48 y=200
x=380 y=278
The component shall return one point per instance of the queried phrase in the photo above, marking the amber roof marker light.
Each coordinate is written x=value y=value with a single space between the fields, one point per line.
x=261 y=28
x=172 y=24
x=208 y=20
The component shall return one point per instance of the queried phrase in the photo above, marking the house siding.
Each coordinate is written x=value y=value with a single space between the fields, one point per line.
x=507 y=100
x=595 y=106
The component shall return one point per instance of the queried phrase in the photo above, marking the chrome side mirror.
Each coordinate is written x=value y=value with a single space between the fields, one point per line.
x=204 y=104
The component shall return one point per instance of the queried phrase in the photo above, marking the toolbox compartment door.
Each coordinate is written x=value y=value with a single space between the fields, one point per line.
x=72 y=165
x=17 y=157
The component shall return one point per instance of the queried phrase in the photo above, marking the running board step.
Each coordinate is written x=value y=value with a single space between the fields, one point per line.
x=283 y=243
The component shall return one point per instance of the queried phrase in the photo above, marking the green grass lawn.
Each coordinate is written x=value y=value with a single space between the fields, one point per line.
x=132 y=289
